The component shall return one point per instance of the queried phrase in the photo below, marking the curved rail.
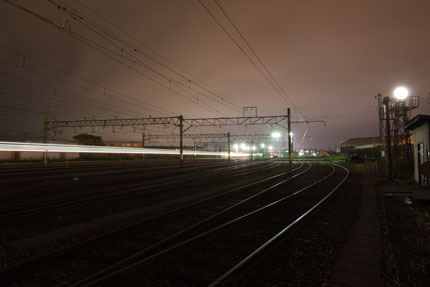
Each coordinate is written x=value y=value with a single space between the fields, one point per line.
x=16 y=269
x=239 y=270
x=14 y=211
x=134 y=262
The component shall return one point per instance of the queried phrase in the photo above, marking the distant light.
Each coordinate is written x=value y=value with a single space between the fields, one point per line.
x=314 y=154
x=401 y=93
x=301 y=153
x=270 y=147
x=291 y=133
x=236 y=147
x=276 y=135
x=243 y=146
x=254 y=147
x=262 y=145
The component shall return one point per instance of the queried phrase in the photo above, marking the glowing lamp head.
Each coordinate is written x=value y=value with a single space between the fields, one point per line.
x=401 y=93
x=262 y=145
x=276 y=135
x=270 y=147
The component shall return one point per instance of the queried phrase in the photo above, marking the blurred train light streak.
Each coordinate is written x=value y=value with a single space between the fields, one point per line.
x=64 y=148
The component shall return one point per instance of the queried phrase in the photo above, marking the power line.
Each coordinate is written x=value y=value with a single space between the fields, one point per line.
x=87 y=42
x=223 y=98
x=133 y=59
x=55 y=90
x=100 y=49
x=150 y=106
x=269 y=78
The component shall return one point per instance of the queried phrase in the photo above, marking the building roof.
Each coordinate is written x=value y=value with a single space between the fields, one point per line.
x=417 y=121
x=361 y=141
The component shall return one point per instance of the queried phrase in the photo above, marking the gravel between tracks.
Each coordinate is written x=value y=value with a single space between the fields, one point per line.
x=143 y=209
x=306 y=258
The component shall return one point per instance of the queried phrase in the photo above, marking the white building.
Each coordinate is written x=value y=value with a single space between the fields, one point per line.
x=419 y=126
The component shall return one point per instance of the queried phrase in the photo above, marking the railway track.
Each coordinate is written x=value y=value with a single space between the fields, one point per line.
x=21 y=209
x=28 y=176
x=202 y=207
x=225 y=251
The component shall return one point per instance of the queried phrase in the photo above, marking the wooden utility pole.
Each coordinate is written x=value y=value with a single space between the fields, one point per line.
x=290 y=152
x=228 y=144
x=143 y=144
x=181 y=139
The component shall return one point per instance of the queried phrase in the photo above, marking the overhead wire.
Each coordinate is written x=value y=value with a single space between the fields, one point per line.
x=133 y=59
x=101 y=50
x=283 y=93
x=83 y=41
x=38 y=16
x=55 y=90
x=268 y=75
x=203 y=86
x=149 y=106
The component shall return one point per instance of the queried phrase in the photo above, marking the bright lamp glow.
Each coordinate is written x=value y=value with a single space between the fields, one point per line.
x=270 y=147
x=236 y=147
x=262 y=145
x=243 y=146
x=401 y=93
x=276 y=135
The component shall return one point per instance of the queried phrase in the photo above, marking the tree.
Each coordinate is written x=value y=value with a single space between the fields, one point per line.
x=86 y=139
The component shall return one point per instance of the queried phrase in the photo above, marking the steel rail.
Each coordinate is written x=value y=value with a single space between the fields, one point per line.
x=79 y=200
x=239 y=270
x=219 y=168
x=35 y=169
x=66 y=173
x=153 y=253
x=9 y=271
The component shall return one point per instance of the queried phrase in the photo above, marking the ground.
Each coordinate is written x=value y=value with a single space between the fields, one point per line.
x=406 y=232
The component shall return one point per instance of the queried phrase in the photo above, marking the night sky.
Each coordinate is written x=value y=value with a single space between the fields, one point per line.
x=159 y=58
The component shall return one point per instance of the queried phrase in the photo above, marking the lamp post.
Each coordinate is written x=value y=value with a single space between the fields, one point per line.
x=400 y=94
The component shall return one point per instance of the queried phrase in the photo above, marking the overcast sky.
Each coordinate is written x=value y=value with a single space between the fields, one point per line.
x=168 y=57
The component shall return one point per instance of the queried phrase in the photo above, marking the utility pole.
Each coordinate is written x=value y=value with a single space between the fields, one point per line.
x=181 y=139
x=252 y=149
x=143 y=145
x=386 y=103
x=228 y=145
x=290 y=152
x=195 y=149
x=45 y=132
x=381 y=155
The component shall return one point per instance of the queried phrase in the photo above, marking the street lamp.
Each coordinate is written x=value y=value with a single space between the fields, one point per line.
x=276 y=135
x=401 y=93
x=236 y=147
